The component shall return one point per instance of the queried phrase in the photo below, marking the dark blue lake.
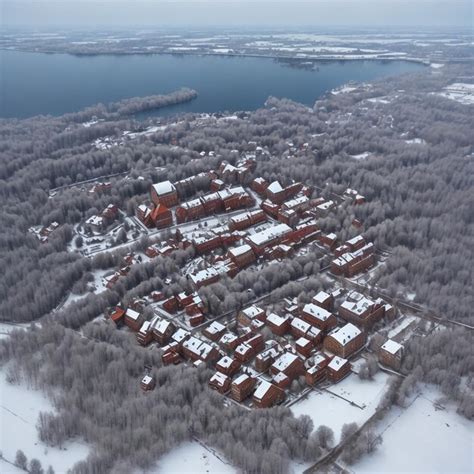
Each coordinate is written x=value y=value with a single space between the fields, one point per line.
x=38 y=83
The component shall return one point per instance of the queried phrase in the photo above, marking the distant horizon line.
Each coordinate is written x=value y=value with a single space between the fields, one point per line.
x=194 y=28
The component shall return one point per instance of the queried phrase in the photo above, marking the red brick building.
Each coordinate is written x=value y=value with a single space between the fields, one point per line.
x=361 y=311
x=270 y=208
x=276 y=193
x=164 y=193
x=345 y=341
x=242 y=256
x=133 y=319
x=259 y=185
x=246 y=220
x=268 y=238
x=145 y=334
x=304 y=347
x=214 y=331
x=189 y=211
x=324 y=300
x=351 y=263
x=247 y=315
x=194 y=349
x=300 y=328
x=265 y=359
x=279 y=325
x=317 y=370
x=162 y=331
x=207 y=243
x=319 y=317
x=242 y=387
x=220 y=382
x=228 y=366
x=338 y=368
x=161 y=216
x=390 y=354
x=267 y=395
x=288 y=363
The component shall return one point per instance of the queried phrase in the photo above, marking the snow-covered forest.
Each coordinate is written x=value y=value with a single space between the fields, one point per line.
x=417 y=174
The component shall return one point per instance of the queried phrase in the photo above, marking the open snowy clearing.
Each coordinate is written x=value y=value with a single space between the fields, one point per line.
x=361 y=156
x=193 y=458
x=329 y=409
x=460 y=92
x=19 y=411
x=423 y=438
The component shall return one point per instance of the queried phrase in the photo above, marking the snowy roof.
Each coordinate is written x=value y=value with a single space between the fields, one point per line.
x=227 y=337
x=243 y=348
x=355 y=240
x=192 y=344
x=164 y=187
x=316 y=311
x=359 y=306
x=225 y=362
x=284 y=361
x=321 y=297
x=191 y=204
x=275 y=187
x=145 y=327
x=179 y=335
x=296 y=202
x=215 y=327
x=302 y=341
x=147 y=380
x=95 y=220
x=242 y=249
x=132 y=314
x=392 y=346
x=203 y=275
x=276 y=319
x=262 y=389
x=261 y=238
x=331 y=236
x=219 y=378
x=279 y=377
x=325 y=205
x=301 y=325
x=162 y=326
x=346 y=334
x=241 y=378
x=252 y=311
x=337 y=363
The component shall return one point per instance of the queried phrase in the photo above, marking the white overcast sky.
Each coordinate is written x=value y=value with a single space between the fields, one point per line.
x=202 y=13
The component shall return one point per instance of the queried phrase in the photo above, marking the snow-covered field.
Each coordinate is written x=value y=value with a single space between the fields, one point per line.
x=192 y=458
x=19 y=411
x=361 y=156
x=460 y=92
x=328 y=409
x=423 y=439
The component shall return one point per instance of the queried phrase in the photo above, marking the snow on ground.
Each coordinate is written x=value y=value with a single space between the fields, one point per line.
x=379 y=100
x=326 y=408
x=361 y=156
x=416 y=141
x=19 y=411
x=460 y=92
x=436 y=65
x=6 y=329
x=193 y=458
x=7 y=468
x=423 y=439
x=343 y=90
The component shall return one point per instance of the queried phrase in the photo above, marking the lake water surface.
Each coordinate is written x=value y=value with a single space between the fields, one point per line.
x=39 y=83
